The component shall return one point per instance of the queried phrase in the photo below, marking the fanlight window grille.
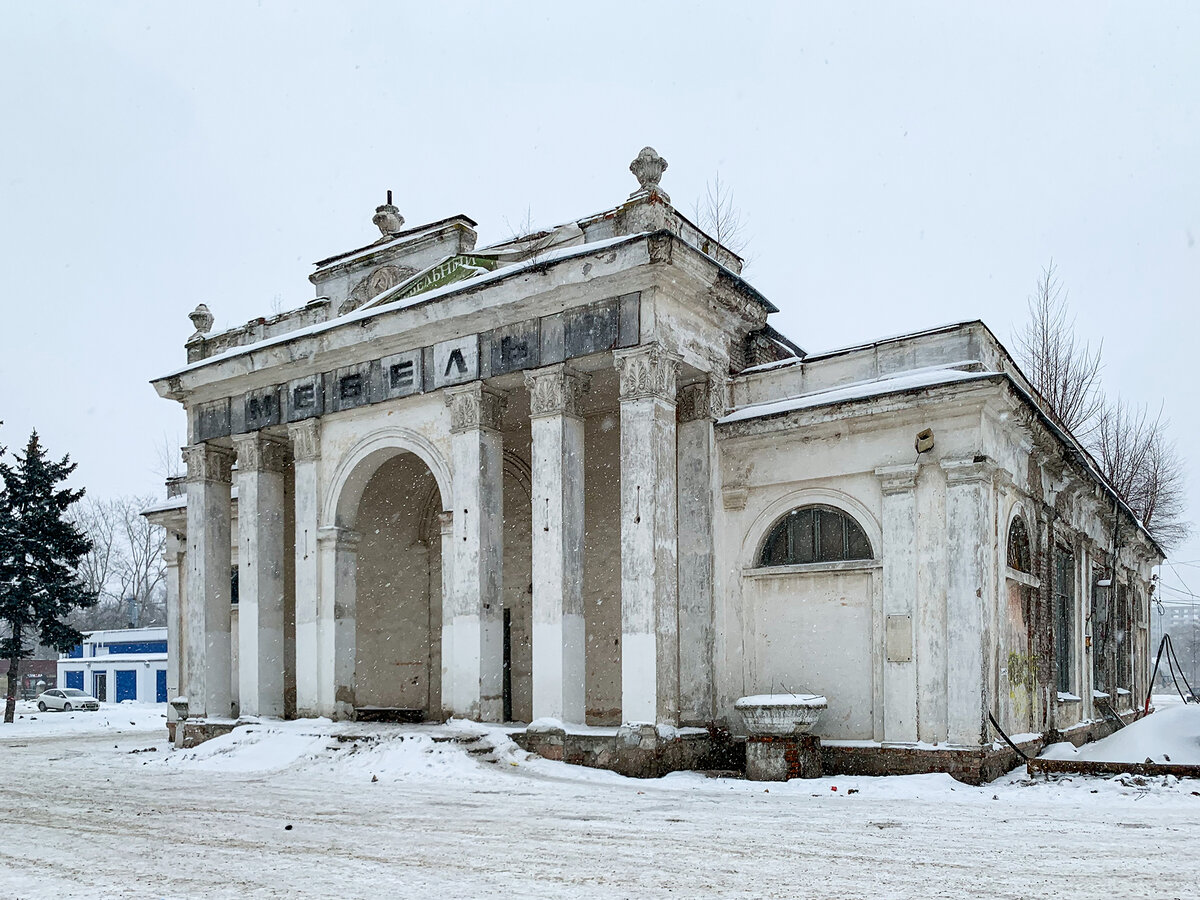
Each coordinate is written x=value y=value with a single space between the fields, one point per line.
x=813 y=534
x=1018 y=547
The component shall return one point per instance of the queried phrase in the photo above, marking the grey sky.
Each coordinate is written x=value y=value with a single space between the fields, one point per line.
x=898 y=166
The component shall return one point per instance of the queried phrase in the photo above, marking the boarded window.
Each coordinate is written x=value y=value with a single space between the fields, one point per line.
x=1101 y=631
x=1064 y=617
x=1122 y=633
x=813 y=534
x=1018 y=547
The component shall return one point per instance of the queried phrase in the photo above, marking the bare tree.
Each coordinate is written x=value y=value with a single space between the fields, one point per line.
x=719 y=217
x=1143 y=466
x=1065 y=374
x=126 y=562
x=1131 y=446
x=527 y=241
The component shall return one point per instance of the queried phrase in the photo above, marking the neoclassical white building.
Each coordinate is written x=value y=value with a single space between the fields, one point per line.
x=578 y=476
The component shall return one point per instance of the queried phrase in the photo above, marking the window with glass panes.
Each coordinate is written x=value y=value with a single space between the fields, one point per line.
x=814 y=534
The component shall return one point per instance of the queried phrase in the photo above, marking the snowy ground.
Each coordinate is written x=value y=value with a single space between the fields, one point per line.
x=96 y=805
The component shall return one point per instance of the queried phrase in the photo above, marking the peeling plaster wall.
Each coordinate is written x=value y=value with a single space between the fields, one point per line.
x=602 y=566
x=823 y=628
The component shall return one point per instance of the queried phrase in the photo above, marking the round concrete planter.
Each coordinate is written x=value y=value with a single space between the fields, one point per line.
x=780 y=714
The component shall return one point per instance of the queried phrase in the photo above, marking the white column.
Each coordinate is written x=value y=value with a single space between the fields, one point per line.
x=901 y=653
x=649 y=599
x=446 y=529
x=174 y=558
x=700 y=405
x=209 y=562
x=969 y=587
x=260 y=575
x=337 y=621
x=306 y=451
x=559 y=674
x=476 y=624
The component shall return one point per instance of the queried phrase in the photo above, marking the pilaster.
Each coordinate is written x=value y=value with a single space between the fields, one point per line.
x=305 y=438
x=337 y=623
x=206 y=631
x=649 y=534
x=700 y=405
x=174 y=559
x=970 y=588
x=901 y=609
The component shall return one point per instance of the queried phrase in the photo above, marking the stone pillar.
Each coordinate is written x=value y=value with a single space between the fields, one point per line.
x=209 y=565
x=446 y=651
x=260 y=575
x=559 y=673
x=969 y=589
x=475 y=626
x=336 y=620
x=900 y=607
x=700 y=405
x=174 y=559
x=649 y=598
x=306 y=451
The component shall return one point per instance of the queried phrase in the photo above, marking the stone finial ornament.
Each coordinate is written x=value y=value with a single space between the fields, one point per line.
x=648 y=168
x=202 y=321
x=387 y=218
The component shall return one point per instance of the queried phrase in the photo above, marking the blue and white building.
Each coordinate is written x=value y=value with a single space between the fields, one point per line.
x=128 y=664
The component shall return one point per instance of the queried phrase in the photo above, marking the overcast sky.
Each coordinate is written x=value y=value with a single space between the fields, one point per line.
x=898 y=166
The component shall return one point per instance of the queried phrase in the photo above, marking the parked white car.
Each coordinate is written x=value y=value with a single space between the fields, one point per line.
x=66 y=699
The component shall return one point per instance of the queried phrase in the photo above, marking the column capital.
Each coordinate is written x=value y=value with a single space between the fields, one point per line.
x=306 y=439
x=446 y=521
x=555 y=390
x=897 y=479
x=474 y=405
x=702 y=400
x=968 y=471
x=340 y=538
x=647 y=371
x=208 y=463
x=256 y=453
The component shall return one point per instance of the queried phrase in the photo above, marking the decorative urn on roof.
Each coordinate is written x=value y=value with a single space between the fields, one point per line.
x=387 y=218
x=202 y=321
x=648 y=168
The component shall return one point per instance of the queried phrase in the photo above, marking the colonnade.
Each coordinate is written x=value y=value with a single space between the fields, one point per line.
x=666 y=448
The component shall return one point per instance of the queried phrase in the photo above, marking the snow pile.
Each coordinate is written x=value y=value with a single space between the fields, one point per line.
x=1171 y=735
x=125 y=717
x=453 y=751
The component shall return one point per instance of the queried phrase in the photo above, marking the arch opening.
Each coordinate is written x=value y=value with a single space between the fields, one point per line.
x=392 y=500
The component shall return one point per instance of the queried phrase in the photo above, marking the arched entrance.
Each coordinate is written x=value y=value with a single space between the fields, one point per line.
x=388 y=606
x=398 y=608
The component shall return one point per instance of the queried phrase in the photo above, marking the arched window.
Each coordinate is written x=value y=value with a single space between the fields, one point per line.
x=1018 y=547
x=814 y=534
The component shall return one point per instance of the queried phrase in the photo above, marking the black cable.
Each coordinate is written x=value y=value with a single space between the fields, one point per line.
x=1158 y=659
x=1000 y=730
x=1171 y=650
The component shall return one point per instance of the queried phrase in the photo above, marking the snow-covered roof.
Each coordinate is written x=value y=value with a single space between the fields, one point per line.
x=891 y=384
x=382 y=306
x=403 y=237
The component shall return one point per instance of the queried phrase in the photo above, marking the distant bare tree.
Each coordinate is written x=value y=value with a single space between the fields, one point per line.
x=1065 y=374
x=126 y=562
x=168 y=459
x=528 y=241
x=719 y=217
x=1143 y=465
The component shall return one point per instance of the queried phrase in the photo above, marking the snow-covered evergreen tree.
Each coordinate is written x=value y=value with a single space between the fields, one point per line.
x=40 y=549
